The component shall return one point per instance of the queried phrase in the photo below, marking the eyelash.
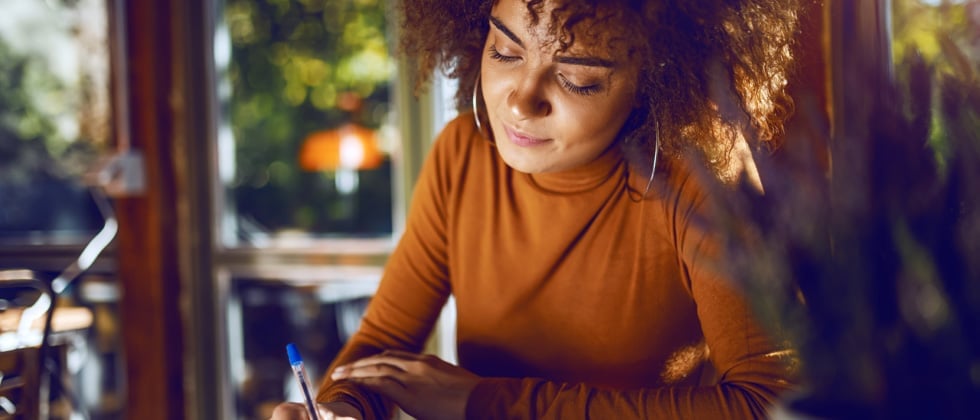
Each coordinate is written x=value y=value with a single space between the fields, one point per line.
x=496 y=55
x=571 y=87
x=579 y=90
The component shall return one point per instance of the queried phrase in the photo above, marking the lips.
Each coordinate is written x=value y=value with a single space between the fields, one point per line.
x=523 y=139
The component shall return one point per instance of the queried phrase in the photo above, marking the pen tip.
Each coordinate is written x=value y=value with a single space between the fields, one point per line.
x=293 y=353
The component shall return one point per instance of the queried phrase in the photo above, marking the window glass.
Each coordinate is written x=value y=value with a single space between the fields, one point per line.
x=54 y=117
x=306 y=145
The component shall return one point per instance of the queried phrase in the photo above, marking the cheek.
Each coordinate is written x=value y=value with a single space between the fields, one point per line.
x=496 y=88
x=619 y=108
x=493 y=81
x=598 y=120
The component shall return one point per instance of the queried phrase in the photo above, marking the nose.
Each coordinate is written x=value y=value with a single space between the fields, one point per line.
x=527 y=99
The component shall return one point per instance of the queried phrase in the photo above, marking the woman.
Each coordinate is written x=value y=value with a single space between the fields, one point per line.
x=565 y=220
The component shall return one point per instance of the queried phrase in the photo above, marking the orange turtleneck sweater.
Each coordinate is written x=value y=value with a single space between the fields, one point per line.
x=575 y=299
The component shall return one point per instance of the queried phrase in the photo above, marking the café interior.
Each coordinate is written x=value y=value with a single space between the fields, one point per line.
x=186 y=186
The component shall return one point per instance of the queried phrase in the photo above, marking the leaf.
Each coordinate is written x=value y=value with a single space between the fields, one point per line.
x=957 y=59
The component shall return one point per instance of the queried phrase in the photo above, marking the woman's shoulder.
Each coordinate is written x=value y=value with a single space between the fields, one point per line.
x=460 y=129
x=459 y=137
x=687 y=185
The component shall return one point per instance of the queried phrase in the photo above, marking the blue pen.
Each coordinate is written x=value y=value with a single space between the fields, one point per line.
x=296 y=362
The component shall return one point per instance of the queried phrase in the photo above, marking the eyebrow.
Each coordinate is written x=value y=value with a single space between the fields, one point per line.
x=585 y=61
x=503 y=28
x=580 y=61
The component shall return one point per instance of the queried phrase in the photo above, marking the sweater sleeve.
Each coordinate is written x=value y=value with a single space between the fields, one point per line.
x=753 y=371
x=412 y=291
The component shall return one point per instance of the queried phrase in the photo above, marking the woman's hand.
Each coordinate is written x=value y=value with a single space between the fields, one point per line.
x=327 y=411
x=425 y=386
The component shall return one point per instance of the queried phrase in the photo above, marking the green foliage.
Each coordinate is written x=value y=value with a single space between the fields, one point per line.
x=28 y=139
x=291 y=60
x=873 y=274
x=945 y=35
x=38 y=165
x=921 y=27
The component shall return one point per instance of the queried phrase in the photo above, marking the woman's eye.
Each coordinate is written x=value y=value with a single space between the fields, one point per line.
x=579 y=90
x=496 y=55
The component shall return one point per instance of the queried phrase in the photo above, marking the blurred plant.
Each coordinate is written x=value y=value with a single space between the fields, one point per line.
x=38 y=165
x=22 y=127
x=873 y=275
x=924 y=25
x=291 y=62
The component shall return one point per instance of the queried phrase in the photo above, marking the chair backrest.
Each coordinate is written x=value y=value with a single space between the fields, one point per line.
x=23 y=386
x=22 y=364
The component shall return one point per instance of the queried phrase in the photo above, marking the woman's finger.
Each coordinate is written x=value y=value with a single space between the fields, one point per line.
x=393 y=360
x=370 y=370
x=289 y=411
x=384 y=363
x=401 y=354
x=386 y=386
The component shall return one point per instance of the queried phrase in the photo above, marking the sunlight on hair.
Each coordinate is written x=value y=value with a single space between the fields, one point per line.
x=684 y=362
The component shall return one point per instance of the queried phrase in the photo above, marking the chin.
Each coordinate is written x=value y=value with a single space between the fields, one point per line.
x=532 y=165
x=521 y=162
x=521 y=165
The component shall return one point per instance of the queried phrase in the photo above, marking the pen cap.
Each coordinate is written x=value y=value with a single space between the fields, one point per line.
x=294 y=357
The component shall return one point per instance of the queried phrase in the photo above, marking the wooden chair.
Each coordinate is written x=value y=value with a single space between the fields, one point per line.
x=24 y=389
x=28 y=361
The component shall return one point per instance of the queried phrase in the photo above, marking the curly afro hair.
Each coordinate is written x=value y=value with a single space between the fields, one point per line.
x=710 y=70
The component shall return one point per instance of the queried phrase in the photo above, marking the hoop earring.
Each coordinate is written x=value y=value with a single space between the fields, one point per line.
x=656 y=153
x=480 y=126
x=476 y=112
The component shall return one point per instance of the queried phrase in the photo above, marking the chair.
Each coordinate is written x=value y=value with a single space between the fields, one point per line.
x=22 y=384
x=28 y=361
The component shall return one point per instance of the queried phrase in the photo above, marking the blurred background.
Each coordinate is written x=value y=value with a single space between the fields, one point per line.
x=259 y=156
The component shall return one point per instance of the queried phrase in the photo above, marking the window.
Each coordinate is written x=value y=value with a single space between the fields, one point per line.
x=56 y=125
x=317 y=141
x=54 y=118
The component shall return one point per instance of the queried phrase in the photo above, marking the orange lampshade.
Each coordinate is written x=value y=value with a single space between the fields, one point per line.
x=349 y=146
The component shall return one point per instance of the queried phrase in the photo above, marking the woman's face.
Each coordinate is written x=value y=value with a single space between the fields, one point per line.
x=551 y=111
